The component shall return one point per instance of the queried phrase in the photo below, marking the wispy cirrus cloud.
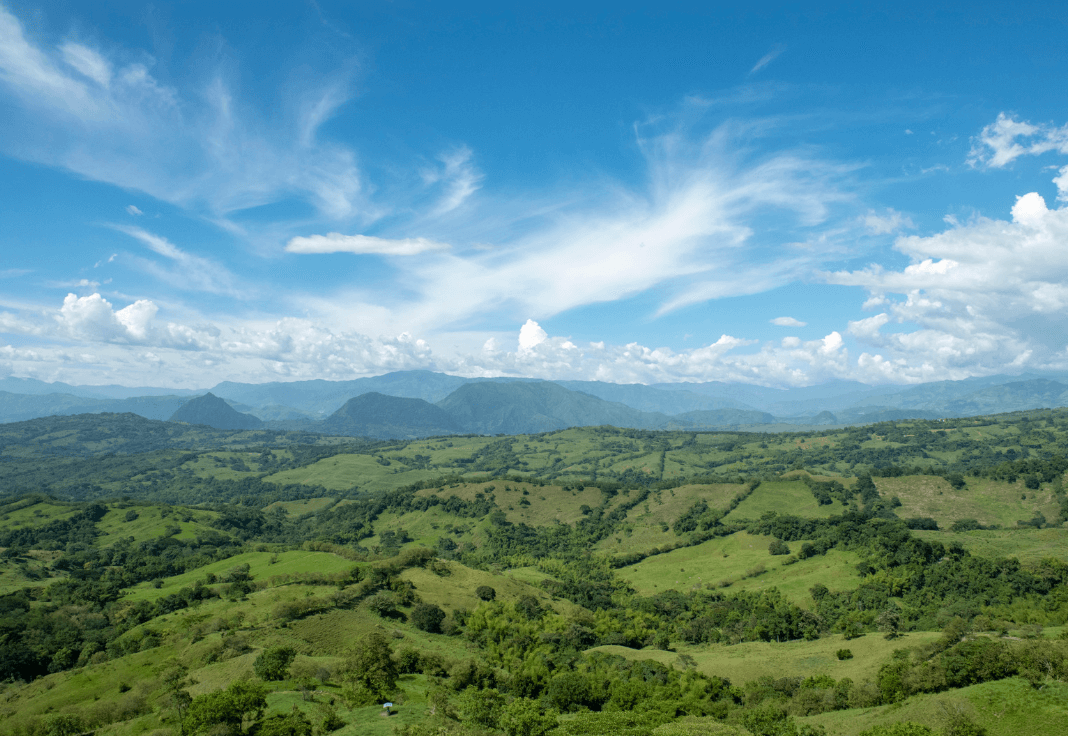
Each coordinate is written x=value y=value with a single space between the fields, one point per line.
x=767 y=58
x=684 y=230
x=185 y=270
x=197 y=146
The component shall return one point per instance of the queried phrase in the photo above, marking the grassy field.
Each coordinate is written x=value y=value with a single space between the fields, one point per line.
x=747 y=661
x=457 y=589
x=648 y=524
x=743 y=561
x=1026 y=545
x=152 y=522
x=34 y=512
x=790 y=497
x=344 y=472
x=1005 y=708
x=262 y=566
x=303 y=506
x=987 y=501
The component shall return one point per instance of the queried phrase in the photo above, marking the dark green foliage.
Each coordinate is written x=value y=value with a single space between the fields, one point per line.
x=485 y=593
x=370 y=671
x=778 y=547
x=227 y=711
x=294 y=723
x=428 y=617
x=273 y=663
x=844 y=654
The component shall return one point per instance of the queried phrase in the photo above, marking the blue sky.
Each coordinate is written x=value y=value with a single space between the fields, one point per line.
x=760 y=193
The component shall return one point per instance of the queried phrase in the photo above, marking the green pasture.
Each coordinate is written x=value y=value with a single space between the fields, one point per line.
x=987 y=501
x=152 y=522
x=789 y=497
x=343 y=472
x=1027 y=545
x=34 y=569
x=643 y=527
x=546 y=504
x=457 y=588
x=262 y=566
x=747 y=661
x=426 y=528
x=1004 y=708
x=30 y=513
x=737 y=560
x=303 y=506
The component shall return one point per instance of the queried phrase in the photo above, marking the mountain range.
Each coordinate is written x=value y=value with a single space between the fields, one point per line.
x=409 y=404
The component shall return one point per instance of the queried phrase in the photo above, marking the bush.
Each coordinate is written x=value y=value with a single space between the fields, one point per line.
x=844 y=654
x=778 y=547
x=485 y=593
x=428 y=617
x=273 y=663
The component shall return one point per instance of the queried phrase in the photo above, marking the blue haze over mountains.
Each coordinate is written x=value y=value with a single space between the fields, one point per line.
x=410 y=404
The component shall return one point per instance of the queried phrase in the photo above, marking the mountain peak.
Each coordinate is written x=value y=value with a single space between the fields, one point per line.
x=212 y=411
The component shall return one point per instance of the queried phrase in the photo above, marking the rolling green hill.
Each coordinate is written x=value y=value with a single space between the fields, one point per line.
x=840 y=579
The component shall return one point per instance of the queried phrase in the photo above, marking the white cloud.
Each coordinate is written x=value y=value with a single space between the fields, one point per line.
x=530 y=336
x=197 y=147
x=788 y=322
x=986 y=296
x=189 y=271
x=362 y=245
x=87 y=62
x=134 y=210
x=1006 y=139
x=889 y=222
x=458 y=178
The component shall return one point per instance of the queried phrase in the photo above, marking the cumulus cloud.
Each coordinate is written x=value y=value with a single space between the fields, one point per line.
x=787 y=322
x=979 y=297
x=530 y=336
x=362 y=245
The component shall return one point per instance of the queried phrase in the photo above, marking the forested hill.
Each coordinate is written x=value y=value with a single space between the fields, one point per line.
x=902 y=579
x=100 y=434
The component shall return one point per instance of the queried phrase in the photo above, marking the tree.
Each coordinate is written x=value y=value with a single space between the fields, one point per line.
x=525 y=717
x=485 y=593
x=778 y=547
x=371 y=670
x=293 y=723
x=889 y=621
x=428 y=617
x=227 y=710
x=482 y=707
x=273 y=663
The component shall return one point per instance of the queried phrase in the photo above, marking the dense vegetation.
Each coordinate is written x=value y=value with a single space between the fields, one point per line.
x=576 y=582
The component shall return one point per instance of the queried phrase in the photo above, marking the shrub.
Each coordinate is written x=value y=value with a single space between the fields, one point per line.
x=428 y=617
x=273 y=663
x=844 y=654
x=485 y=593
x=778 y=547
